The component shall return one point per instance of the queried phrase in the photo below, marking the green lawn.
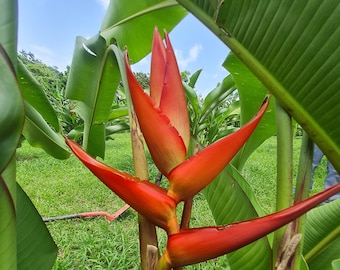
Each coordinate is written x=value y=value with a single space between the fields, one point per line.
x=66 y=187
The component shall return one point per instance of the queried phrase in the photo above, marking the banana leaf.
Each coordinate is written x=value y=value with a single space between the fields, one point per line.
x=293 y=48
x=95 y=75
x=35 y=246
x=322 y=236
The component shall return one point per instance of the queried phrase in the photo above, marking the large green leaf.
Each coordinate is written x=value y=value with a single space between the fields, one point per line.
x=11 y=110
x=85 y=69
x=231 y=199
x=11 y=122
x=139 y=19
x=322 y=236
x=93 y=81
x=34 y=94
x=7 y=228
x=35 y=246
x=94 y=74
x=252 y=93
x=293 y=48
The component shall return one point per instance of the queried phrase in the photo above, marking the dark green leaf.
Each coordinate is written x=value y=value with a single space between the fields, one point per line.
x=35 y=246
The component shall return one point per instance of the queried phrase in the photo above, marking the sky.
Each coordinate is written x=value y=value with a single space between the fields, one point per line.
x=48 y=29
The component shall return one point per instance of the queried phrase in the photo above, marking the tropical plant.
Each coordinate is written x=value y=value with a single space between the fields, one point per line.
x=291 y=47
x=165 y=109
x=215 y=116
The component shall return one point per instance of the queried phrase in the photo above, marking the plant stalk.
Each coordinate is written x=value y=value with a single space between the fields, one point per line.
x=148 y=241
x=284 y=169
x=147 y=231
x=186 y=214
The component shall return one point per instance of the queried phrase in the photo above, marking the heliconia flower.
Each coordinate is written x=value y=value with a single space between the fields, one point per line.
x=191 y=246
x=146 y=198
x=162 y=115
x=164 y=122
x=191 y=176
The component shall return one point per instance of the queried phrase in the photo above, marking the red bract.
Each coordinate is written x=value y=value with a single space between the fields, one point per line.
x=172 y=97
x=198 y=171
x=191 y=246
x=163 y=116
x=146 y=198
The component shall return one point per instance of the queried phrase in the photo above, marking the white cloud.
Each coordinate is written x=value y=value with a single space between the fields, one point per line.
x=104 y=3
x=49 y=57
x=45 y=54
x=43 y=50
x=193 y=54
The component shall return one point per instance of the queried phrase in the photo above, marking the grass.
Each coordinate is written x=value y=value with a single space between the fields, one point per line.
x=63 y=187
x=260 y=171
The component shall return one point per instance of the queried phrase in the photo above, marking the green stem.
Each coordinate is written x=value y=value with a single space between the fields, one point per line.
x=302 y=189
x=284 y=169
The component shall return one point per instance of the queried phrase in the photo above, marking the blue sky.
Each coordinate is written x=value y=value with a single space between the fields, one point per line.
x=48 y=29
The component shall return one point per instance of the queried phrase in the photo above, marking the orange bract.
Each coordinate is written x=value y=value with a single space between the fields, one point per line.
x=146 y=198
x=162 y=116
x=191 y=246
x=198 y=171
